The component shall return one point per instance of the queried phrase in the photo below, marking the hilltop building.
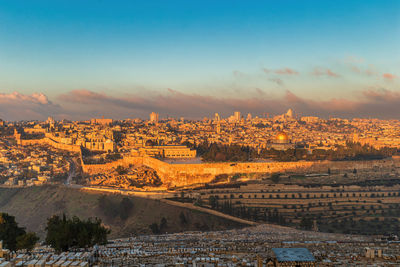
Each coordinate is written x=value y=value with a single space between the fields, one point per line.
x=101 y=121
x=151 y=149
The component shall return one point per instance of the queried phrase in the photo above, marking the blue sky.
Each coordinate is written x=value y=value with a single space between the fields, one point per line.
x=208 y=48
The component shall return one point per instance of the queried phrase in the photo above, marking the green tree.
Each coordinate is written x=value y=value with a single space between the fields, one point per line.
x=27 y=241
x=64 y=233
x=9 y=231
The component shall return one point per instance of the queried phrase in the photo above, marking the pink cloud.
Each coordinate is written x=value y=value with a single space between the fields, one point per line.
x=377 y=103
x=356 y=67
x=84 y=104
x=324 y=72
x=18 y=106
x=283 y=71
x=389 y=76
x=38 y=98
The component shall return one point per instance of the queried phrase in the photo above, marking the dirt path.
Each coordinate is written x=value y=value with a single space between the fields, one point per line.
x=210 y=211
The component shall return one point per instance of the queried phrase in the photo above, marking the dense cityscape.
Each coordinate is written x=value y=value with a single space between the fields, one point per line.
x=350 y=188
x=199 y=133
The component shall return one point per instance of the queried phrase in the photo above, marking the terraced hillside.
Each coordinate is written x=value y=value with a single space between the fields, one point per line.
x=344 y=209
x=32 y=206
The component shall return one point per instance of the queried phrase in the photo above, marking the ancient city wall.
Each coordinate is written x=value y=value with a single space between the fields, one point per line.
x=185 y=174
x=29 y=142
x=72 y=148
x=48 y=141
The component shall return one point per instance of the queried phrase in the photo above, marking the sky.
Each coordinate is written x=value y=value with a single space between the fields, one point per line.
x=124 y=59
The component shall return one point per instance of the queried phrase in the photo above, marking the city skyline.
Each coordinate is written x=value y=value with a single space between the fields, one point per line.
x=67 y=59
x=199 y=133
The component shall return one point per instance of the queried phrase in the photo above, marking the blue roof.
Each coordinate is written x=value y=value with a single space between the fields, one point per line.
x=293 y=254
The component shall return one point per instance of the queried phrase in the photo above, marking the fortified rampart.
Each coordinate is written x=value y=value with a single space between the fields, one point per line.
x=49 y=141
x=186 y=174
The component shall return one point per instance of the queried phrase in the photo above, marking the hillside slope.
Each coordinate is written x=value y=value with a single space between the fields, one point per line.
x=32 y=206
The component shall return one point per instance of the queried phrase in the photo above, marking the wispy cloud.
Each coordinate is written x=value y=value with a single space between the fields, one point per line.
x=286 y=71
x=84 y=104
x=283 y=71
x=325 y=72
x=276 y=80
x=380 y=103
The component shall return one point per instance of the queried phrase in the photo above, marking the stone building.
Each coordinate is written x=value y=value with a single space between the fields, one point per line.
x=166 y=151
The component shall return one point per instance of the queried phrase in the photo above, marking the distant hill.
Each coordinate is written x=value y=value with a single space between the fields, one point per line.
x=32 y=206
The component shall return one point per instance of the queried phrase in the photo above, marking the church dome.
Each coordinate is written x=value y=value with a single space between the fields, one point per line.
x=282 y=137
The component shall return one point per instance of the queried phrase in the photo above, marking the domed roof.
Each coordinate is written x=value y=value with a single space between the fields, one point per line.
x=282 y=137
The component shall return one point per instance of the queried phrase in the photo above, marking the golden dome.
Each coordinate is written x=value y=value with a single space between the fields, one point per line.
x=282 y=137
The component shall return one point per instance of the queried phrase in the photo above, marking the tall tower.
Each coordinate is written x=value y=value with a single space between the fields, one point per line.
x=249 y=117
x=217 y=117
x=290 y=113
x=237 y=115
x=154 y=117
